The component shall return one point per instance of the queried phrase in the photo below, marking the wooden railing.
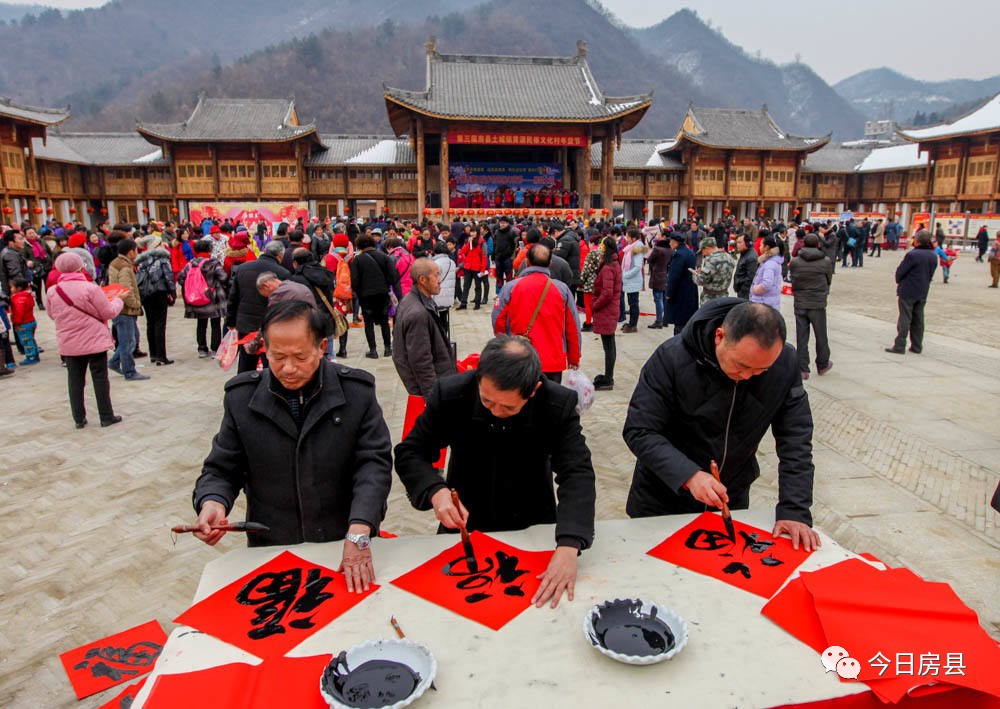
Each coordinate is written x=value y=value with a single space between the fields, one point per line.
x=123 y=188
x=744 y=189
x=664 y=189
x=199 y=186
x=326 y=187
x=238 y=187
x=163 y=188
x=703 y=188
x=402 y=187
x=279 y=186
x=830 y=192
x=979 y=185
x=779 y=189
x=365 y=187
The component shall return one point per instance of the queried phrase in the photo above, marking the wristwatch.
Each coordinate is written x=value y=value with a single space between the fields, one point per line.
x=363 y=541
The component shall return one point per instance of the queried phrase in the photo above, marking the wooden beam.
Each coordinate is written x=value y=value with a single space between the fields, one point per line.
x=421 y=170
x=963 y=167
x=996 y=178
x=444 y=188
x=257 y=169
x=583 y=176
x=215 y=170
x=725 y=178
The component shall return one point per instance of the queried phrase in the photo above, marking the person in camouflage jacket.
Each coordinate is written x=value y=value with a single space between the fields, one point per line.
x=715 y=273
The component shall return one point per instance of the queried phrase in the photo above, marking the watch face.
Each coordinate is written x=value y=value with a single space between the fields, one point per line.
x=363 y=541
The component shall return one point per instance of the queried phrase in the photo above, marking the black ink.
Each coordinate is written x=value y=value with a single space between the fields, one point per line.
x=140 y=654
x=737 y=567
x=507 y=570
x=274 y=594
x=769 y=560
x=517 y=590
x=477 y=597
x=756 y=545
x=376 y=683
x=707 y=540
x=621 y=626
x=453 y=568
x=477 y=581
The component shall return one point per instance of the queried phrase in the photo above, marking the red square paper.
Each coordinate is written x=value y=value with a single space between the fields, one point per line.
x=415 y=406
x=115 y=659
x=755 y=562
x=124 y=699
x=502 y=589
x=274 y=607
x=278 y=682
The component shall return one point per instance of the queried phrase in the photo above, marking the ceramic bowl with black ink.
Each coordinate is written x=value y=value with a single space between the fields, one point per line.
x=634 y=631
x=378 y=673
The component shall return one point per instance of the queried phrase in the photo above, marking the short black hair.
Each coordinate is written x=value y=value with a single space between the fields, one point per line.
x=204 y=245
x=19 y=282
x=761 y=322
x=532 y=236
x=539 y=255
x=9 y=236
x=295 y=310
x=302 y=256
x=511 y=364
x=811 y=240
x=126 y=245
x=364 y=242
x=548 y=242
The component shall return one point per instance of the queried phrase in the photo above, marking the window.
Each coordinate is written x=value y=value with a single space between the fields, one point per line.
x=398 y=175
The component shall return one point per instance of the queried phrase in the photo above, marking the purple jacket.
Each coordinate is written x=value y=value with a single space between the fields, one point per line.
x=81 y=328
x=769 y=276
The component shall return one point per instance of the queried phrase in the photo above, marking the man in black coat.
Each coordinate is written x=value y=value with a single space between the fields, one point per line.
x=504 y=245
x=247 y=306
x=812 y=273
x=681 y=295
x=746 y=266
x=307 y=442
x=568 y=249
x=913 y=283
x=508 y=428
x=372 y=275
x=711 y=394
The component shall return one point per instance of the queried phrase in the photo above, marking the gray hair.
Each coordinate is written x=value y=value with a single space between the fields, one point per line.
x=274 y=249
x=265 y=277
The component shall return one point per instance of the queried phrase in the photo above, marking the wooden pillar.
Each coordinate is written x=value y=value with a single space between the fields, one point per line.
x=799 y=159
x=725 y=178
x=257 y=168
x=763 y=168
x=583 y=176
x=34 y=172
x=421 y=171
x=963 y=167
x=300 y=162
x=445 y=190
x=145 y=184
x=608 y=171
x=215 y=170
x=996 y=178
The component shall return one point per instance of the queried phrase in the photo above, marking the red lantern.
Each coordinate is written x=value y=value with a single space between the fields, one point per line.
x=725 y=211
x=796 y=212
x=50 y=210
x=606 y=211
x=691 y=211
x=72 y=210
x=548 y=212
x=174 y=210
x=104 y=211
x=90 y=210
x=8 y=210
x=347 y=210
x=525 y=212
x=427 y=210
x=145 y=210
x=762 y=212
x=38 y=210
x=24 y=210
x=645 y=210
x=899 y=214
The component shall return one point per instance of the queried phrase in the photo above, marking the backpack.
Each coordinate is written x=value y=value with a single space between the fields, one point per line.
x=196 y=289
x=143 y=279
x=342 y=275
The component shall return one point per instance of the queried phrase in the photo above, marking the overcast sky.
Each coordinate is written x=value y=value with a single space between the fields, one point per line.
x=933 y=41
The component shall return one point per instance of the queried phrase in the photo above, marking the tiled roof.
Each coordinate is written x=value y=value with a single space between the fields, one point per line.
x=32 y=114
x=362 y=150
x=112 y=149
x=639 y=154
x=742 y=128
x=834 y=157
x=233 y=120
x=896 y=157
x=514 y=88
x=979 y=120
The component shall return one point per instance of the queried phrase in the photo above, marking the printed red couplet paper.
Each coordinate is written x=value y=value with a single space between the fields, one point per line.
x=415 y=406
x=495 y=595
x=115 y=659
x=124 y=699
x=278 y=682
x=274 y=607
x=755 y=562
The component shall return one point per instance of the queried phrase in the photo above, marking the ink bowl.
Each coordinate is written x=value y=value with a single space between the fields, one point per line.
x=634 y=631
x=386 y=673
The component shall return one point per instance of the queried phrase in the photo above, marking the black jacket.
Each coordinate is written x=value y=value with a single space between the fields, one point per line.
x=12 y=265
x=504 y=243
x=372 y=273
x=568 y=248
x=421 y=351
x=318 y=280
x=247 y=306
x=659 y=260
x=502 y=468
x=681 y=292
x=914 y=273
x=811 y=273
x=676 y=424
x=746 y=269
x=306 y=483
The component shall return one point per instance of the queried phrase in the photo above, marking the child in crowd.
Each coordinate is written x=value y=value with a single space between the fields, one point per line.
x=946 y=258
x=22 y=315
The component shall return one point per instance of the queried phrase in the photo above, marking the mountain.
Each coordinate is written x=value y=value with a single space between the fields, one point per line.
x=125 y=40
x=799 y=100
x=9 y=11
x=885 y=93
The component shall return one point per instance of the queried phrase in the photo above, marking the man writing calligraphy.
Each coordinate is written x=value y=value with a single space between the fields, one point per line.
x=306 y=441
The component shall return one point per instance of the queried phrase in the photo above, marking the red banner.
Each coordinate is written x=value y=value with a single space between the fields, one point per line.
x=472 y=137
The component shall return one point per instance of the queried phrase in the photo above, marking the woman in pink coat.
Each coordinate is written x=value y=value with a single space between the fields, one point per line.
x=81 y=312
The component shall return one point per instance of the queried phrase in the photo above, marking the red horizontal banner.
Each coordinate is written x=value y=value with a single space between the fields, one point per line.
x=468 y=137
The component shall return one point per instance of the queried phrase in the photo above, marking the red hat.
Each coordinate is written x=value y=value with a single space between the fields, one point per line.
x=340 y=241
x=68 y=226
x=215 y=229
x=77 y=240
x=239 y=240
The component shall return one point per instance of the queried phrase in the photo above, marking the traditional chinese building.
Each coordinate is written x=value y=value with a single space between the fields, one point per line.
x=487 y=122
x=20 y=190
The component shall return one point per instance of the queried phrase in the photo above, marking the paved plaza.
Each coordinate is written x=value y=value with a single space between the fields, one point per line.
x=906 y=451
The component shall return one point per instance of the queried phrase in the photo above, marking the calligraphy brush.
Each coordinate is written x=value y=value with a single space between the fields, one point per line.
x=231 y=527
x=470 y=555
x=727 y=518
x=399 y=632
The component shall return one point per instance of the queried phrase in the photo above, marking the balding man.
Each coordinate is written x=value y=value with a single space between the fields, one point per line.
x=247 y=304
x=422 y=354
x=543 y=310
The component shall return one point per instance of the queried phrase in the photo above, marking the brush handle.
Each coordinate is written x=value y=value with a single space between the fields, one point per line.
x=458 y=506
x=715 y=474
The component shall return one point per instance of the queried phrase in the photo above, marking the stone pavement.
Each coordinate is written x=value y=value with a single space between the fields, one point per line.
x=906 y=451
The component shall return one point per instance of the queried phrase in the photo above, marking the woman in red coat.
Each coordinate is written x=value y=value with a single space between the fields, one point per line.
x=474 y=262
x=605 y=307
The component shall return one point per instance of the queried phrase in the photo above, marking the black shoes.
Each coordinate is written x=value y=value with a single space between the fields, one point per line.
x=893 y=350
x=602 y=383
x=463 y=306
x=371 y=354
x=81 y=424
x=342 y=352
x=587 y=327
x=139 y=354
x=656 y=326
x=161 y=361
x=388 y=352
x=823 y=370
x=916 y=350
x=110 y=422
x=204 y=354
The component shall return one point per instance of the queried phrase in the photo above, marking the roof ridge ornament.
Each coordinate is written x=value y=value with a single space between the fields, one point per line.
x=581 y=47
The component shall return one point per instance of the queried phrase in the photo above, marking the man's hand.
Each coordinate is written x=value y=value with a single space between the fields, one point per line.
x=356 y=564
x=799 y=532
x=707 y=490
x=572 y=366
x=444 y=509
x=560 y=576
x=212 y=513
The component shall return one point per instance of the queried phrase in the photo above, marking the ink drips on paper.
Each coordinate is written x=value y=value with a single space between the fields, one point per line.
x=376 y=683
x=621 y=626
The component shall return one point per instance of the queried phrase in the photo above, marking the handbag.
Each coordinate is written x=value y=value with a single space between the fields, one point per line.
x=852 y=242
x=340 y=324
